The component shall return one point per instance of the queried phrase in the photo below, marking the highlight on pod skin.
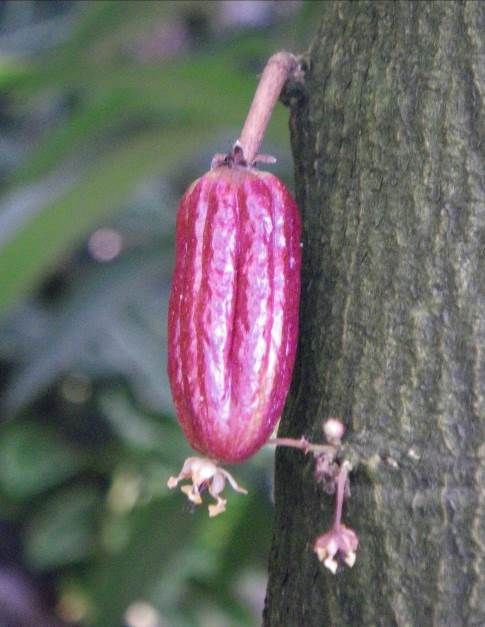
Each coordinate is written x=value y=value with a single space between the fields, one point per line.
x=233 y=310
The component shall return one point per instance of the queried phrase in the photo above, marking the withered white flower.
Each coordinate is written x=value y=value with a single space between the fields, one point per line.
x=340 y=541
x=204 y=474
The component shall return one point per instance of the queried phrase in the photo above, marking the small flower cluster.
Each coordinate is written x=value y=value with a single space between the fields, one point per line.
x=205 y=474
x=339 y=543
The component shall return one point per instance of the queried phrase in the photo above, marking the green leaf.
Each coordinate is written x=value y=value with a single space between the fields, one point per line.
x=62 y=530
x=108 y=325
x=33 y=459
x=172 y=561
x=183 y=94
x=11 y=71
x=37 y=245
x=139 y=431
x=160 y=532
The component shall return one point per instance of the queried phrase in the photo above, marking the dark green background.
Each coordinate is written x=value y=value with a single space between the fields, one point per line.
x=108 y=110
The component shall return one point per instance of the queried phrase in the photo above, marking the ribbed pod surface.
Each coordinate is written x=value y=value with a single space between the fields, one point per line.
x=233 y=310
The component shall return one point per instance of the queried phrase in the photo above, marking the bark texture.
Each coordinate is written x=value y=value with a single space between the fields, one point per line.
x=390 y=183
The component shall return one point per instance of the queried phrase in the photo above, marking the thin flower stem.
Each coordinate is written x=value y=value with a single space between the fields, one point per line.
x=275 y=74
x=341 y=482
x=303 y=444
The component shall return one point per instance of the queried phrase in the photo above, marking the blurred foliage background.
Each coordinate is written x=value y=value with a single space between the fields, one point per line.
x=108 y=110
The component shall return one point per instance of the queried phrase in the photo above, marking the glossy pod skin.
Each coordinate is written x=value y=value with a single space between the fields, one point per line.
x=233 y=310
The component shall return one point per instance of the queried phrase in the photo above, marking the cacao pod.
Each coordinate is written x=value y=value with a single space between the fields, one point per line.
x=233 y=310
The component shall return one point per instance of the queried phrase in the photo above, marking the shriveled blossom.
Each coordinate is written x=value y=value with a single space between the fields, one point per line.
x=205 y=474
x=340 y=541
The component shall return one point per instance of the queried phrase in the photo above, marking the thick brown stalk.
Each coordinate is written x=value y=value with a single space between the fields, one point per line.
x=275 y=74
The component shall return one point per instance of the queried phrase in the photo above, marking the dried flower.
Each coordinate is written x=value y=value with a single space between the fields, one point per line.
x=340 y=541
x=205 y=474
x=326 y=472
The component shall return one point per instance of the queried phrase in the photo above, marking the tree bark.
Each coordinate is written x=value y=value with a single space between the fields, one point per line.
x=388 y=146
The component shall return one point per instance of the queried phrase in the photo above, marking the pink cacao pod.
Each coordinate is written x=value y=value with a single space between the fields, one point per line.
x=233 y=310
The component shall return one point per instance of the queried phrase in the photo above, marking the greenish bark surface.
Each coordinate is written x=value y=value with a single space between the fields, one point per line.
x=388 y=145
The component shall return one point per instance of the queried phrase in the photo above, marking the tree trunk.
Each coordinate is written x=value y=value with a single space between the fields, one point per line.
x=389 y=180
